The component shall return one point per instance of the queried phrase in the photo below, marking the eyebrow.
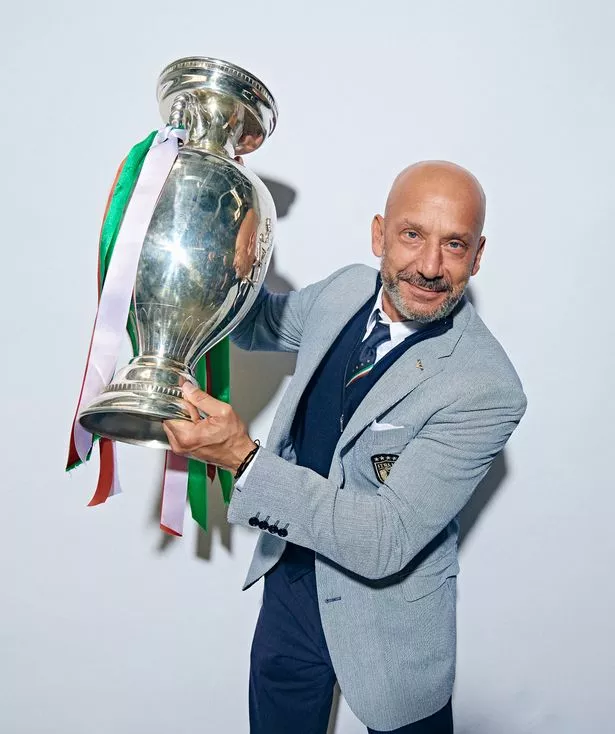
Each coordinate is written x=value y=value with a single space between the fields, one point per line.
x=450 y=236
x=458 y=236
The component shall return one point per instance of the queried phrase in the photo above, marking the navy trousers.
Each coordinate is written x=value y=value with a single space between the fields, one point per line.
x=291 y=675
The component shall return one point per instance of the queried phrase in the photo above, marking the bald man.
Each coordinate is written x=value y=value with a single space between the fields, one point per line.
x=400 y=401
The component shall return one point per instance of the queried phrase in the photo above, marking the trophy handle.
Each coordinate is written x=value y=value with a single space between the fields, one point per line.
x=177 y=118
x=214 y=123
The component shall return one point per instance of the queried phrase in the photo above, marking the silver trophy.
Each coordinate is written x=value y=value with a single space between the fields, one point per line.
x=206 y=251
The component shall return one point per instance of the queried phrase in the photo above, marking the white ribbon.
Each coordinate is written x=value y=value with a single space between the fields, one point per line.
x=114 y=304
x=174 y=491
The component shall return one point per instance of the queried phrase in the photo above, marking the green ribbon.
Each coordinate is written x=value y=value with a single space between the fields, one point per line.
x=218 y=356
x=220 y=388
x=122 y=191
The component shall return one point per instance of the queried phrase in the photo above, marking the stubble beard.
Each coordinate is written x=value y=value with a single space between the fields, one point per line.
x=391 y=286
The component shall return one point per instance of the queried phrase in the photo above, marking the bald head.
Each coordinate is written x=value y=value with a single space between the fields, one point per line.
x=433 y=180
x=430 y=240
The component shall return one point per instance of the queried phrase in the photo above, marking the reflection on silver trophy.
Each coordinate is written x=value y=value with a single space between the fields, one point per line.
x=206 y=251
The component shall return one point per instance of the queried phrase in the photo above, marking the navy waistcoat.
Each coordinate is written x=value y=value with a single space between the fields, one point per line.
x=326 y=407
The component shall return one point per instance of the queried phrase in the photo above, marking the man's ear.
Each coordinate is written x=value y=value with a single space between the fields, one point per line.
x=479 y=254
x=378 y=235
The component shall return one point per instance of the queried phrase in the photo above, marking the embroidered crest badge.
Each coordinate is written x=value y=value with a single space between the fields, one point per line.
x=383 y=464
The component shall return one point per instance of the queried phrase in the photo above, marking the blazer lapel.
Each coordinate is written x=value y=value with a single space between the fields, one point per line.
x=420 y=362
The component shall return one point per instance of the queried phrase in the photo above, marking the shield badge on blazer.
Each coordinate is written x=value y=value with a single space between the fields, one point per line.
x=382 y=464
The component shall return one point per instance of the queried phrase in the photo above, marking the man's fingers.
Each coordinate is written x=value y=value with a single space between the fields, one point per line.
x=193 y=410
x=180 y=434
x=204 y=402
x=173 y=443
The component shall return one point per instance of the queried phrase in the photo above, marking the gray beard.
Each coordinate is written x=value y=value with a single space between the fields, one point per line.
x=391 y=286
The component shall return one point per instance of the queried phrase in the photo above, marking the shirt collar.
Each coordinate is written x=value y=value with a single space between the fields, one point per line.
x=399 y=329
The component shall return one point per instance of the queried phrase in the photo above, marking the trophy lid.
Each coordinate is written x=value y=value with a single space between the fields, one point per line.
x=203 y=73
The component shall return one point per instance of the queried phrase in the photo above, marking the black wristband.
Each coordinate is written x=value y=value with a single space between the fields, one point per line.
x=244 y=464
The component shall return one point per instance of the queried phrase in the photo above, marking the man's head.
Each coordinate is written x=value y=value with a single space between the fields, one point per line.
x=430 y=240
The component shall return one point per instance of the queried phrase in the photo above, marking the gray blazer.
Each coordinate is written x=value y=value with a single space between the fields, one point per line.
x=386 y=546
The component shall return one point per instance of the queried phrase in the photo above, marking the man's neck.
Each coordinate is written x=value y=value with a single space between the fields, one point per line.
x=389 y=309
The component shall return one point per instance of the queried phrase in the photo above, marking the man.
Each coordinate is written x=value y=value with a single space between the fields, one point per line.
x=400 y=401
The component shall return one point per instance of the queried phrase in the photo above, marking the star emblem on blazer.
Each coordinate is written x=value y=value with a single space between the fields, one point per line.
x=383 y=463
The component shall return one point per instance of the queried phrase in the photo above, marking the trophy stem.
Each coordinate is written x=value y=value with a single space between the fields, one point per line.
x=142 y=395
x=214 y=123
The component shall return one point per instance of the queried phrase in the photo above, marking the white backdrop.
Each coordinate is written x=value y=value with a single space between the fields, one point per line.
x=108 y=628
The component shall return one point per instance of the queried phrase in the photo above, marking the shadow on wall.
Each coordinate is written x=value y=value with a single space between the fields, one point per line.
x=255 y=379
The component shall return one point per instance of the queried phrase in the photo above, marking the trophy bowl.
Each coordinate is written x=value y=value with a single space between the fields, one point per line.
x=206 y=251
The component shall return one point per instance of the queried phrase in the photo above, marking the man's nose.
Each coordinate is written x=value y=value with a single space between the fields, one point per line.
x=430 y=262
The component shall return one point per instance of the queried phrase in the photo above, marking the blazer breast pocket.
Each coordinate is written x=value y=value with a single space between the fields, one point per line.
x=384 y=434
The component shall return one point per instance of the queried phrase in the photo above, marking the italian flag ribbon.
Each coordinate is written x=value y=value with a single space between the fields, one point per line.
x=130 y=206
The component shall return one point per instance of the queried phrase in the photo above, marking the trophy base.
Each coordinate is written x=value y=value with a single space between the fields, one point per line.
x=131 y=409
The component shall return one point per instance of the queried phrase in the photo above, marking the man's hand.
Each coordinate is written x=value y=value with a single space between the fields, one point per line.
x=221 y=438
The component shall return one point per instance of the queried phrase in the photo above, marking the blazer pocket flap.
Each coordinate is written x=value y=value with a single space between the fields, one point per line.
x=427 y=579
x=388 y=438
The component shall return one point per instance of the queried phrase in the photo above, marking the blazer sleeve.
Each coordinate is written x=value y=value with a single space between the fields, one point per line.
x=377 y=535
x=276 y=320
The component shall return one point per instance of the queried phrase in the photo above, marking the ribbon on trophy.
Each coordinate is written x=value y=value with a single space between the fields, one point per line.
x=130 y=206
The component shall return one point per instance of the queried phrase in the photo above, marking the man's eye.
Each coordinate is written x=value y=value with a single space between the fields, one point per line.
x=411 y=234
x=454 y=245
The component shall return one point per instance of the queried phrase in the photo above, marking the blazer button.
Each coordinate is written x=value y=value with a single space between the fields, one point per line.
x=253 y=521
x=273 y=529
x=282 y=532
x=263 y=524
